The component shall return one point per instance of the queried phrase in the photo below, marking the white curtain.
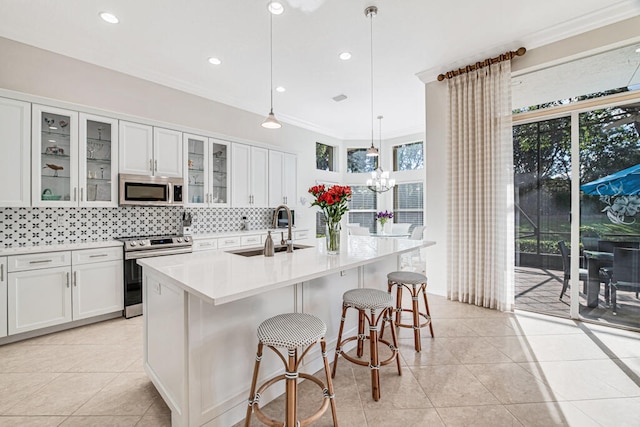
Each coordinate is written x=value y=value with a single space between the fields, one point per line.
x=480 y=194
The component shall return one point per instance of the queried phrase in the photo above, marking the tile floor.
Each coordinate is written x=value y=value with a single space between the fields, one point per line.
x=483 y=368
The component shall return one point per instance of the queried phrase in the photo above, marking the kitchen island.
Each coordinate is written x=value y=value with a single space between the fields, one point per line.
x=202 y=310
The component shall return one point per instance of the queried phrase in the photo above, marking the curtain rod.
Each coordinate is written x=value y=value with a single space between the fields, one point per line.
x=504 y=57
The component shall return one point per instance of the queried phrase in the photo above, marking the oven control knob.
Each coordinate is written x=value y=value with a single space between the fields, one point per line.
x=133 y=243
x=142 y=243
x=179 y=239
x=186 y=239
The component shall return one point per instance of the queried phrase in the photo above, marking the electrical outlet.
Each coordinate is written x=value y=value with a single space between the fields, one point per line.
x=343 y=272
x=60 y=221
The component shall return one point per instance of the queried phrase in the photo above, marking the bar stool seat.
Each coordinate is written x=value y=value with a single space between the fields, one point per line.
x=368 y=302
x=291 y=331
x=415 y=283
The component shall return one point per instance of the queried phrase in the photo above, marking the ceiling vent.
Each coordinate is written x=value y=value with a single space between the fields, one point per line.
x=340 y=97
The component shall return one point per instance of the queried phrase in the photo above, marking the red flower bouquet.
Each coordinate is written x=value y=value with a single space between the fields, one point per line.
x=333 y=203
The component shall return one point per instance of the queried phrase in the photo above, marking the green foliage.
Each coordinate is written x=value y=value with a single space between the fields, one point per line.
x=358 y=161
x=324 y=157
x=546 y=246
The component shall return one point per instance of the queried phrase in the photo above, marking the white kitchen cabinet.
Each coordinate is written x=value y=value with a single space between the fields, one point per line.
x=97 y=288
x=282 y=178
x=151 y=151
x=53 y=288
x=98 y=161
x=249 y=175
x=54 y=159
x=3 y=297
x=38 y=298
x=74 y=159
x=205 y=174
x=15 y=137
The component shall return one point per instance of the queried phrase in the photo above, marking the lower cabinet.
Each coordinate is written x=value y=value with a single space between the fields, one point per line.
x=39 y=298
x=3 y=297
x=50 y=289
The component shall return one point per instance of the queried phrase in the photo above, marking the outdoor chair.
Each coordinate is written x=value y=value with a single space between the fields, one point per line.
x=566 y=267
x=625 y=275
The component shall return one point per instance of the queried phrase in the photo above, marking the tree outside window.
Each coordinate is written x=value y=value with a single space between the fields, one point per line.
x=408 y=156
x=358 y=162
x=325 y=159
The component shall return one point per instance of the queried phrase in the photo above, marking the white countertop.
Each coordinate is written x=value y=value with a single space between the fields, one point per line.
x=244 y=233
x=57 y=248
x=219 y=277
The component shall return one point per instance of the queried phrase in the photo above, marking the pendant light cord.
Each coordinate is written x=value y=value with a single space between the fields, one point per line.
x=271 y=56
x=371 y=15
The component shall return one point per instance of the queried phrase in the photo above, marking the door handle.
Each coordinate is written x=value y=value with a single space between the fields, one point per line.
x=156 y=163
x=67 y=280
x=75 y=279
x=150 y=165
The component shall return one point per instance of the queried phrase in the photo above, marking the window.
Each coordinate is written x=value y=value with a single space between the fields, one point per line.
x=320 y=225
x=408 y=203
x=362 y=207
x=358 y=162
x=325 y=159
x=408 y=156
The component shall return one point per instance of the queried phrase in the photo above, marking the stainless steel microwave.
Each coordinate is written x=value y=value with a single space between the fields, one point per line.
x=142 y=190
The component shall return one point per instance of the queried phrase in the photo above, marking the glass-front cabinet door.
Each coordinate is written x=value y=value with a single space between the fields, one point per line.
x=98 y=154
x=205 y=174
x=219 y=162
x=54 y=156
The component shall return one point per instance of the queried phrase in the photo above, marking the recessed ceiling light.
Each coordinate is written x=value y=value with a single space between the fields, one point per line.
x=109 y=17
x=345 y=56
x=215 y=61
x=280 y=89
x=275 y=7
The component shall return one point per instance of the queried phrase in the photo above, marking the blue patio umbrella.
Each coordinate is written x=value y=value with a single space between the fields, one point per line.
x=625 y=182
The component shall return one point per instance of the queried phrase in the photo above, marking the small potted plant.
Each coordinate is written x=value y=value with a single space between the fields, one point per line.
x=383 y=217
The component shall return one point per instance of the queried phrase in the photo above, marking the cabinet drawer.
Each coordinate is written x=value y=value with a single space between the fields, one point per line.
x=301 y=235
x=251 y=240
x=205 y=245
x=37 y=261
x=89 y=256
x=228 y=242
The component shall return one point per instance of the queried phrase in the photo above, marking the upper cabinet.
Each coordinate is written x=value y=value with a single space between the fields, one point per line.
x=282 y=178
x=15 y=124
x=98 y=161
x=74 y=159
x=145 y=150
x=205 y=174
x=54 y=157
x=249 y=176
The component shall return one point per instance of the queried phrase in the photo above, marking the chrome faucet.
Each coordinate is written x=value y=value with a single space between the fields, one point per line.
x=289 y=241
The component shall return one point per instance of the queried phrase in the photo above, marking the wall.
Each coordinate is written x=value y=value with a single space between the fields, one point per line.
x=579 y=46
x=29 y=70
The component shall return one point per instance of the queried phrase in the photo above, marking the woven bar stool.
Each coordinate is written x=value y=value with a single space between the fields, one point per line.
x=291 y=331
x=372 y=301
x=418 y=283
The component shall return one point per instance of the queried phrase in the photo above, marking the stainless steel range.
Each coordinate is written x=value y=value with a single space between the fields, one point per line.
x=145 y=247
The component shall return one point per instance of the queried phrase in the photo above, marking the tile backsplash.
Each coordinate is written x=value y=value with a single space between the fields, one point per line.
x=47 y=226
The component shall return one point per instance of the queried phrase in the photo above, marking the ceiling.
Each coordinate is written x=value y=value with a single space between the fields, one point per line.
x=168 y=42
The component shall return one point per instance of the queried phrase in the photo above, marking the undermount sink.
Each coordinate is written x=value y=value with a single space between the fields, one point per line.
x=260 y=251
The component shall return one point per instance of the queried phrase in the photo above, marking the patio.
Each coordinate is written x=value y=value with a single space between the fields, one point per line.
x=538 y=290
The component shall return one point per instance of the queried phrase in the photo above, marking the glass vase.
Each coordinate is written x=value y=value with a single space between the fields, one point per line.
x=332 y=235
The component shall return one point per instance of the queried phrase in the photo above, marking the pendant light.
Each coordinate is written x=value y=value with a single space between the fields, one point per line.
x=370 y=12
x=380 y=180
x=271 y=122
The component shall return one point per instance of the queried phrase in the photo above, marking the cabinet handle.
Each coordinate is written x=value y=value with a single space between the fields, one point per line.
x=40 y=261
x=82 y=194
x=1 y=272
x=75 y=193
x=67 y=280
x=229 y=241
x=156 y=163
x=98 y=256
x=75 y=279
x=150 y=165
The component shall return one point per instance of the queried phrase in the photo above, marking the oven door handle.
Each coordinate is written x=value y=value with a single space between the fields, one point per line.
x=156 y=252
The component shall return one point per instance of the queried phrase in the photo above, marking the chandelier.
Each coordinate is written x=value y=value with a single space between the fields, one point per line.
x=380 y=181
